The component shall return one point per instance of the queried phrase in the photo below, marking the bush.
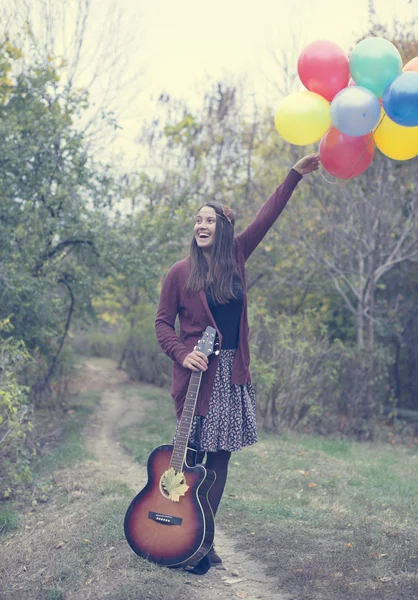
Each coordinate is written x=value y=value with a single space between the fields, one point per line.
x=293 y=368
x=141 y=355
x=134 y=346
x=363 y=389
x=303 y=382
x=15 y=407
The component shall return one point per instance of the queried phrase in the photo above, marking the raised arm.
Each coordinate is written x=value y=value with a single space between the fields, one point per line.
x=272 y=208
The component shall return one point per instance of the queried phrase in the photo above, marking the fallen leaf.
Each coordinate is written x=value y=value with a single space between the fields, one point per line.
x=174 y=484
x=382 y=555
x=86 y=541
x=349 y=545
x=233 y=580
x=77 y=494
x=89 y=581
x=385 y=579
x=60 y=545
x=241 y=594
x=311 y=484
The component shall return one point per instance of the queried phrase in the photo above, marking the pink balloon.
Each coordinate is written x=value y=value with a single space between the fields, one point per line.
x=344 y=156
x=323 y=68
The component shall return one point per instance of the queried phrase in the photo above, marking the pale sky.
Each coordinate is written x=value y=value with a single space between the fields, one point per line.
x=181 y=45
x=182 y=42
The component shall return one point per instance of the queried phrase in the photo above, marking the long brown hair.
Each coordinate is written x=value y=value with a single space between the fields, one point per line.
x=219 y=276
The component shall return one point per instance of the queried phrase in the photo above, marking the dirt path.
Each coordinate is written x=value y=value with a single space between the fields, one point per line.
x=59 y=525
x=239 y=577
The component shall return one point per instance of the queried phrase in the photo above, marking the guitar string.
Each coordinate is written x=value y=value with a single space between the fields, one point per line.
x=189 y=418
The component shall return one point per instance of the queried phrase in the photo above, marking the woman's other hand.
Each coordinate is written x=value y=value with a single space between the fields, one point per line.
x=307 y=164
x=196 y=361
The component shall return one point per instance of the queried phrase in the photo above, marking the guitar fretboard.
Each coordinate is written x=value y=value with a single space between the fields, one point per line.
x=183 y=432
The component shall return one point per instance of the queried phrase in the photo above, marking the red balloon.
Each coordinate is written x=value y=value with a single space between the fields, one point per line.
x=344 y=156
x=323 y=68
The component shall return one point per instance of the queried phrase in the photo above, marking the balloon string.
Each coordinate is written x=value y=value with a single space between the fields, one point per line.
x=357 y=161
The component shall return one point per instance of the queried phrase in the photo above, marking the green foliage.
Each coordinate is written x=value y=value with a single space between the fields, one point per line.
x=71 y=447
x=52 y=222
x=134 y=345
x=15 y=408
x=304 y=381
x=293 y=367
x=9 y=520
x=363 y=390
x=53 y=593
x=158 y=428
x=143 y=358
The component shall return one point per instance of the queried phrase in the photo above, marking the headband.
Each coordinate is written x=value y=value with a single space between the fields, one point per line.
x=227 y=212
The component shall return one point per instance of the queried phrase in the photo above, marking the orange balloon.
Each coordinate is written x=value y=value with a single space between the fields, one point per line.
x=412 y=65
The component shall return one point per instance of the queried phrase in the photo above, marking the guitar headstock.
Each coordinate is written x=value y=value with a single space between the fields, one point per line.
x=208 y=343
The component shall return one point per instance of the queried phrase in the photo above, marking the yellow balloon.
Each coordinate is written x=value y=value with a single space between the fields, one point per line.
x=303 y=118
x=395 y=141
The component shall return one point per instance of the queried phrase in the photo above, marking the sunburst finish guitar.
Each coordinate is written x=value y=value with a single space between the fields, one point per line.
x=170 y=521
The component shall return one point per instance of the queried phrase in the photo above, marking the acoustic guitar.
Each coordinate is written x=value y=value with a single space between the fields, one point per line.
x=170 y=522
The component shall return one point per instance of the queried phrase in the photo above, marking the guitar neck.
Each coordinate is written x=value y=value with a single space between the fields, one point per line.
x=185 y=426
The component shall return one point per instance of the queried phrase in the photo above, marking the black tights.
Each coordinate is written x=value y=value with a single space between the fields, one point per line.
x=218 y=462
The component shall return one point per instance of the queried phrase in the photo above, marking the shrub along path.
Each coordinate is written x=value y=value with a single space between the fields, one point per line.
x=70 y=544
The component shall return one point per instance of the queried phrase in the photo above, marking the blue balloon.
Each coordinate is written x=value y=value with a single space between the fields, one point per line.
x=355 y=111
x=400 y=99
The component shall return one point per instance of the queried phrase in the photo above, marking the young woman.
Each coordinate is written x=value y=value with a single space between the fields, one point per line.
x=209 y=288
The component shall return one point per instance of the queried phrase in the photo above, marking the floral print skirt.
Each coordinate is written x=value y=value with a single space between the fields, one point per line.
x=230 y=423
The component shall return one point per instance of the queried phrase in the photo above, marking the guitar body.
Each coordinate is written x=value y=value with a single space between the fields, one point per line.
x=173 y=534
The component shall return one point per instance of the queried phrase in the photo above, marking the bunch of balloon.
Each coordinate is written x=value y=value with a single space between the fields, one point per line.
x=352 y=104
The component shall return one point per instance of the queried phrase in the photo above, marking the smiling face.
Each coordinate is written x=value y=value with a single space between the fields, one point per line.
x=204 y=228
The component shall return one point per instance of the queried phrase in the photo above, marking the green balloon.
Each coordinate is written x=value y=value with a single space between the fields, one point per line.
x=374 y=64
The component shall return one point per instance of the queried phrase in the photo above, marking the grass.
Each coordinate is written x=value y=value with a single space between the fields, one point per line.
x=76 y=545
x=331 y=519
x=70 y=446
x=9 y=519
x=158 y=428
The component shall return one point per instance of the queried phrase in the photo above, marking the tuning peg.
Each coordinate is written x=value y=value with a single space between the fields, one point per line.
x=217 y=352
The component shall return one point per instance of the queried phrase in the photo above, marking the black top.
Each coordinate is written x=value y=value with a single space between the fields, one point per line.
x=227 y=317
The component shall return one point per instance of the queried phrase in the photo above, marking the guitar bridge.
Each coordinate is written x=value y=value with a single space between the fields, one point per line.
x=165 y=519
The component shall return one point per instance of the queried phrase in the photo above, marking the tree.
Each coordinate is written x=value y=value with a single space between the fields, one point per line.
x=51 y=210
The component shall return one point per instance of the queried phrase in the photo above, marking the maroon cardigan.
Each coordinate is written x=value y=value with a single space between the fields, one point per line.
x=194 y=313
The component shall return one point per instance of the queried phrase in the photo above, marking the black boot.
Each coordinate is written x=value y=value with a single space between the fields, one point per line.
x=202 y=566
x=215 y=559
